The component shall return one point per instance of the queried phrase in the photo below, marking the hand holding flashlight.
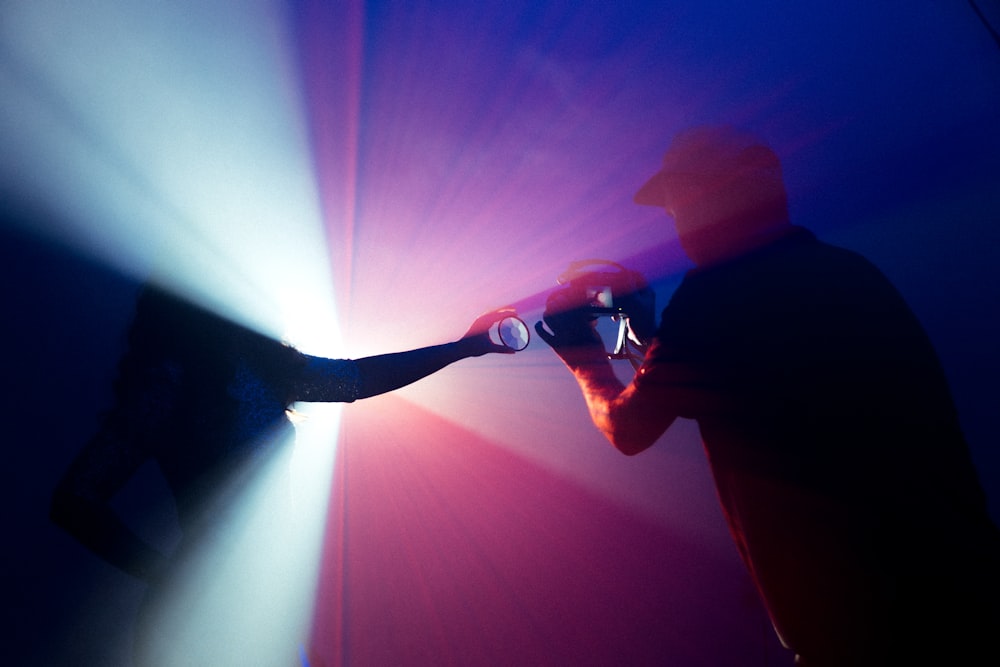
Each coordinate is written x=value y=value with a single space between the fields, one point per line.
x=500 y=331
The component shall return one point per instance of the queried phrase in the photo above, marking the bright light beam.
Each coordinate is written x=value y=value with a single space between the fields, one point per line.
x=168 y=141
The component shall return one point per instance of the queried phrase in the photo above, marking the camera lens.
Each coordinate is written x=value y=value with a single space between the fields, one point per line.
x=512 y=332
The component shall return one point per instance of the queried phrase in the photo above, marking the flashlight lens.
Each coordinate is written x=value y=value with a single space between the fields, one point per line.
x=513 y=333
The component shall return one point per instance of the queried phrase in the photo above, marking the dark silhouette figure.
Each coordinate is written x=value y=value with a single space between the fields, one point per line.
x=825 y=415
x=206 y=400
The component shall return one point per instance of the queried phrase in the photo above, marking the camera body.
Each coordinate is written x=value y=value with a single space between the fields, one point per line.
x=603 y=288
x=600 y=286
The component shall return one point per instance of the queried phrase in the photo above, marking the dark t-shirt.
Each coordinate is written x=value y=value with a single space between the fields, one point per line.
x=835 y=446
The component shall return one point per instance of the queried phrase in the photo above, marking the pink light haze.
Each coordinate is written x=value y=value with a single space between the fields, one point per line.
x=445 y=549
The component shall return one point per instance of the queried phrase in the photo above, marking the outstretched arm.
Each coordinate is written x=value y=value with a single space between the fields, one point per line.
x=388 y=372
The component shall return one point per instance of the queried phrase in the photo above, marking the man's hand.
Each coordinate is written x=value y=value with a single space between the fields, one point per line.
x=572 y=331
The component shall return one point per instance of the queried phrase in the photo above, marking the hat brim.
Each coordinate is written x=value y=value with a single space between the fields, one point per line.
x=653 y=192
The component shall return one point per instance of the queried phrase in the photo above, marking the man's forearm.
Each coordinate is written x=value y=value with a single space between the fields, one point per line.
x=630 y=421
x=598 y=383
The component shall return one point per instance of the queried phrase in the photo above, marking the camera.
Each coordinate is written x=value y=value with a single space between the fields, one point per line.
x=602 y=286
x=605 y=288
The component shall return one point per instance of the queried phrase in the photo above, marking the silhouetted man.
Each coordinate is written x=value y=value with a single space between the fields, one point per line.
x=826 y=417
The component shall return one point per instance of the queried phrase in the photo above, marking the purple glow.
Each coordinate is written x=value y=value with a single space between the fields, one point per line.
x=481 y=150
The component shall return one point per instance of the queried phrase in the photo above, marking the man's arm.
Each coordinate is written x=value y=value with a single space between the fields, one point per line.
x=630 y=419
x=387 y=372
x=338 y=380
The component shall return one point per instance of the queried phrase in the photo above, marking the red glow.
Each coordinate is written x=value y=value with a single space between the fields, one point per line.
x=446 y=549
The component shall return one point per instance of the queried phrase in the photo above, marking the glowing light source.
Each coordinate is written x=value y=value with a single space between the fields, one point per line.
x=169 y=141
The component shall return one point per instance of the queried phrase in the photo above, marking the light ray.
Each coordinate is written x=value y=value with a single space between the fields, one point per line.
x=168 y=141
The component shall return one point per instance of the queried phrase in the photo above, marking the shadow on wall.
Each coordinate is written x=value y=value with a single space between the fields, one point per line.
x=65 y=320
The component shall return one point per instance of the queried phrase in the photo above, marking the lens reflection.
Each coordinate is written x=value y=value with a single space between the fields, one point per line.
x=513 y=333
